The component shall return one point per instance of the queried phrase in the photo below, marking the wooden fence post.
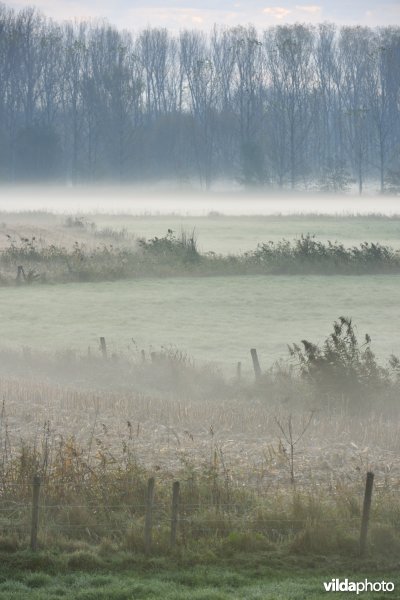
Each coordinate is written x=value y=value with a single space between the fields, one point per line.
x=103 y=347
x=366 y=511
x=148 y=525
x=35 y=512
x=175 y=512
x=239 y=370
x=20 y=274
x=256 y=364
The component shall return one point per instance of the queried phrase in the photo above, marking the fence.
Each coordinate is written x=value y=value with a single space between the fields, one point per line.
x=154 y=357
x=33 y=518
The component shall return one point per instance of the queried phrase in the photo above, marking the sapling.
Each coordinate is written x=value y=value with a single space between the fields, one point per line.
x=292 y=439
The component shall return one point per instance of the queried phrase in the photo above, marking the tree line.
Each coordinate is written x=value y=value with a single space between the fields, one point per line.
x=293 y=106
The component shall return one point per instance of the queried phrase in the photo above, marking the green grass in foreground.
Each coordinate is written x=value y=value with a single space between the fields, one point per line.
x=258 y=577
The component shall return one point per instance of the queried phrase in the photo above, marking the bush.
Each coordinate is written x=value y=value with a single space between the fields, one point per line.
x=309 y=255
x=183 y=248
x=342 y=365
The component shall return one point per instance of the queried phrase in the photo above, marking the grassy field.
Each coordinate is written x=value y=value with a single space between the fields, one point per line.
x=248 y=577
x=193 y=313
x=227 y=234
x=223 y=234
x=212 y=319
x=272 y=471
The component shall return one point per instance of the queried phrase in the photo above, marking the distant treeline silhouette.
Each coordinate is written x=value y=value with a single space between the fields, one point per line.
x=292 y=106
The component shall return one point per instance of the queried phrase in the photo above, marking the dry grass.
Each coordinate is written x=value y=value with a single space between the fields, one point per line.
x=165 y=432
x=96 y=429
x=95 y=451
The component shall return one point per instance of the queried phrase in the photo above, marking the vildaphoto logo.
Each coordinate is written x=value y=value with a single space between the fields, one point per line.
x=344 y=585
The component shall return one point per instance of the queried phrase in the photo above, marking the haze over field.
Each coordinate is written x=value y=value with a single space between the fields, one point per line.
x=199 y=297
x=293 y=106
x=212 y=319
x=141 y=201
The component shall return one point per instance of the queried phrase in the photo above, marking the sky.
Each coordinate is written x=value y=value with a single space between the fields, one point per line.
x=202 y=14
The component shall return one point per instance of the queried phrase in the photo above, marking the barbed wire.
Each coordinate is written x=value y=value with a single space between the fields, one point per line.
x=201 y=517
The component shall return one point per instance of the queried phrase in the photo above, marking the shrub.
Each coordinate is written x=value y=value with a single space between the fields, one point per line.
x=342 y=365
x=182 y=248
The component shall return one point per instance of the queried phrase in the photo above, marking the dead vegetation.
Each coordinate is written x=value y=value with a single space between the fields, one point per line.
x=277 y=461
x=96 y=450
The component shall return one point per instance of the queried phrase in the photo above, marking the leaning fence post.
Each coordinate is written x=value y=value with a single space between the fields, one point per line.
x=148 y=525
x=35 y=512
x=366 y=510
x=256 y=364
x=103 y=347
x=175 y=511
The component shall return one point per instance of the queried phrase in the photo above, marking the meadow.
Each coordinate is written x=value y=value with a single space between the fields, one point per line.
x=214 y=319
x=229 y=234
x=271 y=468
x=242 y=579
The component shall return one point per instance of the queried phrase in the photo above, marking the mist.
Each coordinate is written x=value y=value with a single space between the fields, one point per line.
x=309 y=107
x=142 y=200
x=199 y=292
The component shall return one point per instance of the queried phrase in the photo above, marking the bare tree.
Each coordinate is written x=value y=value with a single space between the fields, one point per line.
x=292 y=106
x=290 y=68
x=291 y=438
